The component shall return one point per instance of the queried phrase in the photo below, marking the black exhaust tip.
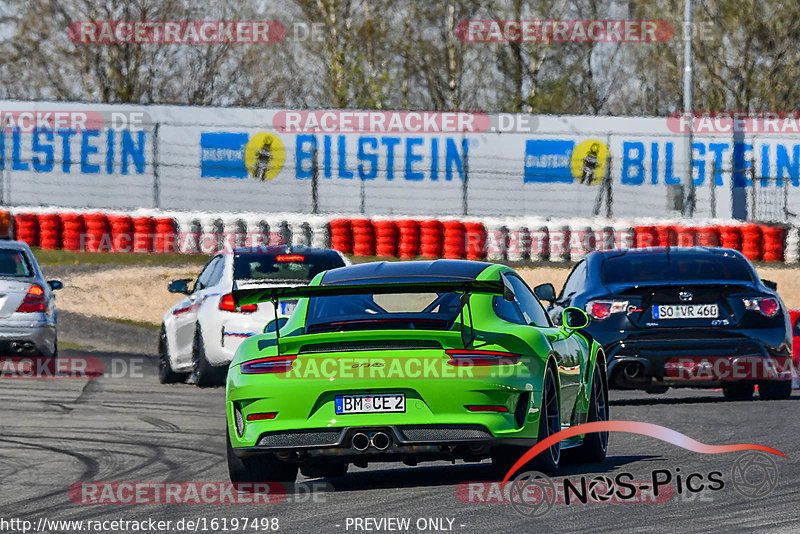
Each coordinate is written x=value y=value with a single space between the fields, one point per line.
x=380 y=440
x=360 y=441
x=633 y=371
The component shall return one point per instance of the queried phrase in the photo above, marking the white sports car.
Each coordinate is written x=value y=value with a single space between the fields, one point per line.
x=201 y=332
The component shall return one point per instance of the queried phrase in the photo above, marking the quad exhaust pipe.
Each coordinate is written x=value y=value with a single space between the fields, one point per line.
x=379 y=440
x=19 y=346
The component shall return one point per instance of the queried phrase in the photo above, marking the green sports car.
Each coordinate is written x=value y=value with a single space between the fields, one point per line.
x=410 y=361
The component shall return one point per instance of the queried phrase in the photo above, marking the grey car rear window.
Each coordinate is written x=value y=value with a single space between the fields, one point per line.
x=14 y=263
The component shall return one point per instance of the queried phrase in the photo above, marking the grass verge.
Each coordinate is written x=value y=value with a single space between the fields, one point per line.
x=68 y=257
x=68 y=345
x=154 y=327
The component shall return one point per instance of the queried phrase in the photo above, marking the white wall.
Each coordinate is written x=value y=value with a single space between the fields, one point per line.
x=496 y=163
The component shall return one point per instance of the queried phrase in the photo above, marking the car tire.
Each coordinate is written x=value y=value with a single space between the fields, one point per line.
x=166 y=375
x=547 y=462
x=324 y=470
x=51 y=362
x=203 y=373
x=258 y=468
x=595 y=445
x=775 y=390
x=738 y=390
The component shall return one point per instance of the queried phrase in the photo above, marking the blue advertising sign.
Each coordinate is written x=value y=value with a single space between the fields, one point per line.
x=548 y=160
x=222 y=155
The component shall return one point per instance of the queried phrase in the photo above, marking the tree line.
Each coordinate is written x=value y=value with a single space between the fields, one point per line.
x=405 y=54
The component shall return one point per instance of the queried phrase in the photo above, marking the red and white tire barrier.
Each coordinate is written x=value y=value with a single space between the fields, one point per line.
x=523 y=239
x=791 y=253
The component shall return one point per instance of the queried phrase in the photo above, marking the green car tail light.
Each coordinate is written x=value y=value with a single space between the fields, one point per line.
x=261 y=416
x=481 y=357
x=486 y=408
x=275 y=364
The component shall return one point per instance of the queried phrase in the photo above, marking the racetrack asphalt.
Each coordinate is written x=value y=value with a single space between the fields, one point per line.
x=126 y=427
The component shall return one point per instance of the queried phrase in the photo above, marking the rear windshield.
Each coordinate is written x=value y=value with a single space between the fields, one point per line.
x=279 y=267
x=431 y=311
x=14 y=263
x=674 y=267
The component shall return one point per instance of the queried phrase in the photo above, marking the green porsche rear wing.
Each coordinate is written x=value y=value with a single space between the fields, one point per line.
x=252 y=292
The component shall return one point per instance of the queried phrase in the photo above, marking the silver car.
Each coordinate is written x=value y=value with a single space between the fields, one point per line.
x=27 y=304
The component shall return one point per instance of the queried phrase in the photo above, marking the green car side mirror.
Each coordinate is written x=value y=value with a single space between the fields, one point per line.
x=573 y=319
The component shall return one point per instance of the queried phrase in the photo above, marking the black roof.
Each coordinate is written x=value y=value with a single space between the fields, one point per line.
x=408 y=271
x=664 y=250
x=283 y=249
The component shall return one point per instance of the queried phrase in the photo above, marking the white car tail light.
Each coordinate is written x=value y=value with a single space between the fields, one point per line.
x=226 y=304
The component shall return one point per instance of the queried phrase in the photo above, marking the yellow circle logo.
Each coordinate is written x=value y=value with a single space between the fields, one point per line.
x=588 y=163
x=264 y=156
